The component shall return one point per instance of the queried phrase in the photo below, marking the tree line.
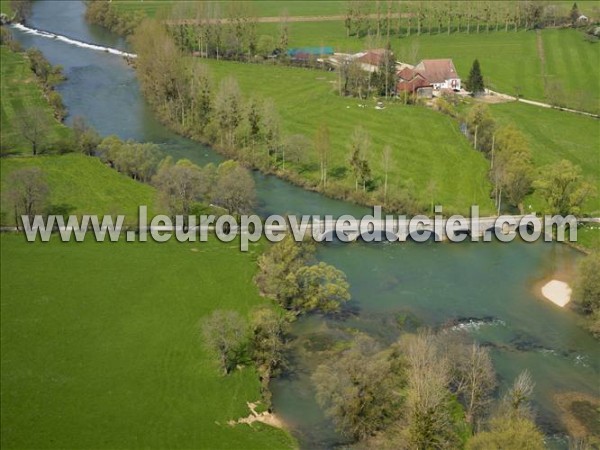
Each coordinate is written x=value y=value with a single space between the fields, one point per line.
x=184 y=95
x=427 y=390
x=511 y=172
x=406 y=18
x=31 y=121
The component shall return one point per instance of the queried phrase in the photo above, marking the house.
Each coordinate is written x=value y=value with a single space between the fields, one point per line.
x=409 y=80
x=371 y=60
x=428 y=76
x=440 y=73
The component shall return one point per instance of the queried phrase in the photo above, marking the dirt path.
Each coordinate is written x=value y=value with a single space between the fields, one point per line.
x=335 y=18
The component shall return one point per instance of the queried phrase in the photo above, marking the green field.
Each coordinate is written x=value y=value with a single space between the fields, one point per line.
x=85 y=184
x=5 y=8
x=102 y=350
x=20 y=89
x=554 y=135
x=512 y=62
x=426 y=145
x=259 y=8
x=569 y=59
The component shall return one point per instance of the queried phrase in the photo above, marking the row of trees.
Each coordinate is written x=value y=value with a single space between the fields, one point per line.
x=102 y=13
x=404 y=18
x=425 y=391
x=511 y=168
x=183 y=93
x=182 y=186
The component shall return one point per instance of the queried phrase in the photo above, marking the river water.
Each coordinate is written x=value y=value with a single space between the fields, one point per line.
x=432 y=283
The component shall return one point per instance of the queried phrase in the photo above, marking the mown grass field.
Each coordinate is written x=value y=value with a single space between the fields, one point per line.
x=511 y=62
x=84 y=184
x=554 y=135
x=19 y=90
x=260 y=8
x=426 y=146
x=110 y=357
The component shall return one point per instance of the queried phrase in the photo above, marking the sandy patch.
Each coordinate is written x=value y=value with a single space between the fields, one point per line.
x=264 y=417
x=558 y=292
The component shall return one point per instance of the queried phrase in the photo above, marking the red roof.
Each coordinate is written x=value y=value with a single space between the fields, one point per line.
x=374 y=57
x=436 y=70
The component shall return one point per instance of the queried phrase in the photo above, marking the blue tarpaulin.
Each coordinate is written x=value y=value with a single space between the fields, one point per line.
x=315 y=51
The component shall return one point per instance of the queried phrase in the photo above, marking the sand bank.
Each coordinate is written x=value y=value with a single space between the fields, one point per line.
x=558 y=292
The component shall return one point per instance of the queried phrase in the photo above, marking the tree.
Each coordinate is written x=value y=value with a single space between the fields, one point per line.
x=386 y=158
x=587 y=285
x=228 y=110
x=360 y=142
x=180 y=185
x=297 y=147
x=508 y=434
x=481 y=127
x=563 y=187
x=474 y=82
x=574 y=14
x=360 y=388
x=428 y=420
x=473 y=374
x=322 y=146
x=280 y=260
x=86 y=138
x=225 y=333
x=320 y=287
x=33 y=126
x=511 y=166
x=267 y=344
x=235 y=189
x=512 y=427
x=516 y=402
x=27 y=192
x=271 y=124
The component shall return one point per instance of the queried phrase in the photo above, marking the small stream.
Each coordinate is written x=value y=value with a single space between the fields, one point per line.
x=434 y=284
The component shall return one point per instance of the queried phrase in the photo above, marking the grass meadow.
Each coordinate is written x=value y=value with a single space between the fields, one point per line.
x=83 y=184
x=512 y=62
x=101 y=347
x=426 y=146
x=554 y=135
x=19 y=90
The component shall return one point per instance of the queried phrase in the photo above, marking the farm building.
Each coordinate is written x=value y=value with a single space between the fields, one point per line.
x=307 y=53
x=371 y=60
x=437 y=74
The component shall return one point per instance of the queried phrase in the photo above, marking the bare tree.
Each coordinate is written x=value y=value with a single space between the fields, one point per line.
x=429 y=423
x=517 y=401
x=32 y=124
x=475 y=380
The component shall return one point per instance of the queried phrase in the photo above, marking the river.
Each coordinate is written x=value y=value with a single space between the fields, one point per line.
x=434 y=283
